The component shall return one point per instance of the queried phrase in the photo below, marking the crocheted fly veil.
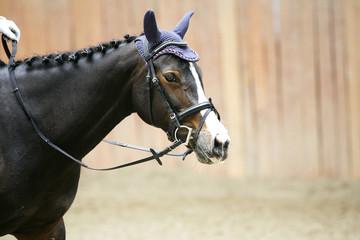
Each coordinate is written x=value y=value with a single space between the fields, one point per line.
x=154 y=37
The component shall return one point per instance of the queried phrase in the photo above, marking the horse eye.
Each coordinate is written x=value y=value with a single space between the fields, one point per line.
x=170 y=77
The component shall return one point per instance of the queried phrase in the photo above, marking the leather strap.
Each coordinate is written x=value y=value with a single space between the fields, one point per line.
x=193 y=109
x=7 y=51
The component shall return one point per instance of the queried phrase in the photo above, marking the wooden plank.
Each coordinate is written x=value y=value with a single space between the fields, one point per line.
x=255 y=57
x=258 y=66
x=352 y=19
x=231 y=84
x=87 y=29
x=112 y=19
x=328 y=94
x=247 y=129
x=33 y=27
x=317 y=76
x=340 y=12
x=58 y=36
x=277 y=90
x=338 y=47
x=309 y=152
x=269 y=119
x=251 y=57
x=263 y=67
x=300 y=139
x=334 y=154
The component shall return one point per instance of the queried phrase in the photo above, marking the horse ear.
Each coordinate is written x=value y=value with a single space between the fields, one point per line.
x=151 y=30
x=183 y=25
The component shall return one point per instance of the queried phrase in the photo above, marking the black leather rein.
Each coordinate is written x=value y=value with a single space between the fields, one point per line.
x=152 y=78
x=155 y=153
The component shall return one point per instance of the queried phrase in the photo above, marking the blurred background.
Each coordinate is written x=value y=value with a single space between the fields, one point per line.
x=284 y=74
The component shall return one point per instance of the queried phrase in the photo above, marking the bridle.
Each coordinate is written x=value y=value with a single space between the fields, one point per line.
x=175 y=117
x=151 y=79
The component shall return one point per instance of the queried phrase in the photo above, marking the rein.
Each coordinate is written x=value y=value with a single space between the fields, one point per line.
x=155 y=153
x=152 y=80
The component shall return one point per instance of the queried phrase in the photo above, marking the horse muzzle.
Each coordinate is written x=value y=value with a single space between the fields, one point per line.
x=210 y=140
x=212 y=144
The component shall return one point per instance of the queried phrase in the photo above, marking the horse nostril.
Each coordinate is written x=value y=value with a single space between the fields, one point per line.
x=220 y=147
x=217 y=143
x=220 y=144
x=226 y=144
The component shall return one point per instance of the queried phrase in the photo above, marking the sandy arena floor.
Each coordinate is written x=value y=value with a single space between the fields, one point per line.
x=168 y=203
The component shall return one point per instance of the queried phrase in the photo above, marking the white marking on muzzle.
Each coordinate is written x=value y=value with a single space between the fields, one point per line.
x=213 y=125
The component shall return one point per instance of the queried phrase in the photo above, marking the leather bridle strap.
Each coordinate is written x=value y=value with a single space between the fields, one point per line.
x=194 y=109
x=155 y=154
x=196 y=133
x=155 y=80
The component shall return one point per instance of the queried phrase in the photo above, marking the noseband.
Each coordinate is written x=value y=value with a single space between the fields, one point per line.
x=175 y=117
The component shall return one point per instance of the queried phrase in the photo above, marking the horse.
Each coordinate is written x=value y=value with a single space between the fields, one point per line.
x=76 y=99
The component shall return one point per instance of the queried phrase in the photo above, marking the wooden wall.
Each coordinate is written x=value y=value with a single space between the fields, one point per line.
x=283 y=73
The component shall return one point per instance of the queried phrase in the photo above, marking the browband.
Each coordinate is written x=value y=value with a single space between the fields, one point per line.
x=150 y=54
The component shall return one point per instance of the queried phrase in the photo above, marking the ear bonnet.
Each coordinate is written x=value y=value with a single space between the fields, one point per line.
x=153 y=37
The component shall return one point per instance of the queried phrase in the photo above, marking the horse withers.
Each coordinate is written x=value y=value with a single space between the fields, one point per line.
x=76 y=99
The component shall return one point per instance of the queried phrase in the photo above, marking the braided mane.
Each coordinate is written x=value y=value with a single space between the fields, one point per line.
x=60 y=58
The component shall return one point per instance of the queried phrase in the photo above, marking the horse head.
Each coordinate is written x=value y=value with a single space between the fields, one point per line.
x=173 y=97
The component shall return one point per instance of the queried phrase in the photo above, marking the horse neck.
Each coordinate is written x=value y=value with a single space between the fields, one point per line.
x=77 y=104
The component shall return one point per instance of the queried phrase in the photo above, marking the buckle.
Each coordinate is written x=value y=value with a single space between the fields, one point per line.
x=188 y=137
x=173 y=116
